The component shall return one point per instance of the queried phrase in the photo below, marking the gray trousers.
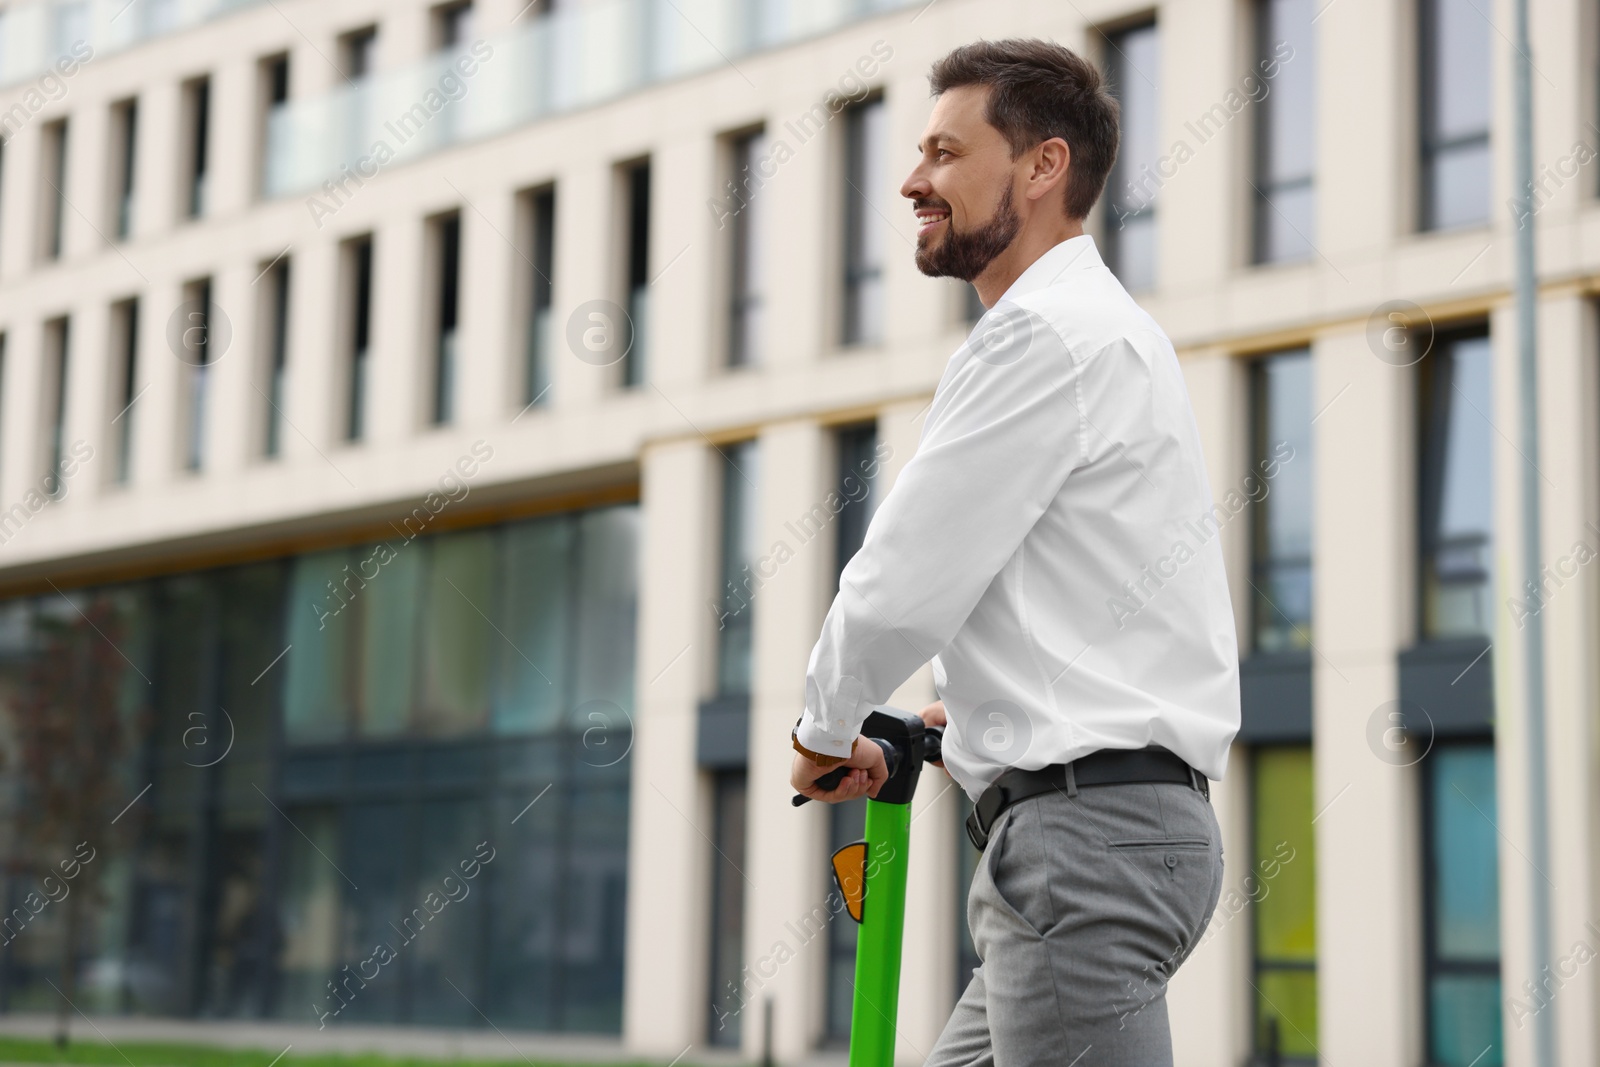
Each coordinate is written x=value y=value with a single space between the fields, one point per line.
x=1082 y=908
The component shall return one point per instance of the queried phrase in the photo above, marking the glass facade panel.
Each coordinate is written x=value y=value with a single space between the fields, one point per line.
x=270 y=841
x=1280 y=484
x=316 y=707
x=458 y=637
x=1457 y=499
x=1463 y=903
x=388 y=611
x=1133 y=73
x=1283 y=885
x=535 y=605
x=607 y=543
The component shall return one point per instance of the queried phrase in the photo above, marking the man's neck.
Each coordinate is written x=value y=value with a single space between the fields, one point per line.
x=1008 y=266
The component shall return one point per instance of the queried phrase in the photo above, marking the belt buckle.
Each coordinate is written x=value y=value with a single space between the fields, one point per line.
x=988 y=807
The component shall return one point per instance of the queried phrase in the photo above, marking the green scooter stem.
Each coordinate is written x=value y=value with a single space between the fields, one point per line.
x=880 y=906
x=882 y=936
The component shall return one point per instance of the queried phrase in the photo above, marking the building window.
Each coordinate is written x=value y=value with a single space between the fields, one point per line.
x=356 y=259
x=125 y=139
x=738 y=551
x=277 y=347
x=274 y=90
x=866 y=226
x=1281 y=517
x=1462 y=941
x=58 y=344
x=54 y=218
x=1456 y=504
x=740 y=526
x=358 y=52
x=635 y=180
x=541 y=216
x=196 y=357
x=745 y=235
x=452 y=26
x=729 y=997
x=856 y=482
x=1286 y=132
x=197 y=147
x=446 y=238
x=1283 y=885
x=1133 y=73
x=125 y=376
x=1454 y=68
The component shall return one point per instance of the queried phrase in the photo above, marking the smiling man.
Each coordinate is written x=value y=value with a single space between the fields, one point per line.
x=1047 y=550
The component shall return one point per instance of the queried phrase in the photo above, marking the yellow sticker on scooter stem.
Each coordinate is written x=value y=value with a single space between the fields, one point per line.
x=850 y=872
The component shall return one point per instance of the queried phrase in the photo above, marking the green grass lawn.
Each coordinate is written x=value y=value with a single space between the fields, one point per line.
x=166 y=1054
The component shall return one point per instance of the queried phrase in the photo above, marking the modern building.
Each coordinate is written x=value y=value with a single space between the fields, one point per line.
x=430 y=437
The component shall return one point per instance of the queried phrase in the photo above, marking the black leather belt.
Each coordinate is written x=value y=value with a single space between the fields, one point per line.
x=1109 y=766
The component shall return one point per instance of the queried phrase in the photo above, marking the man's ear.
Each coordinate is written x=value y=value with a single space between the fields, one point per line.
x=1051 y=161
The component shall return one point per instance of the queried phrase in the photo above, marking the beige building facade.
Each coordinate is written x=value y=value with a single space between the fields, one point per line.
x=619 y=297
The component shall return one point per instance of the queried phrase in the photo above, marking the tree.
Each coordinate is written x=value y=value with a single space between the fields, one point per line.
x=69 y=736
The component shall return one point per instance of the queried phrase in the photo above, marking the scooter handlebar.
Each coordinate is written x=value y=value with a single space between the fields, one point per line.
x=830 y=781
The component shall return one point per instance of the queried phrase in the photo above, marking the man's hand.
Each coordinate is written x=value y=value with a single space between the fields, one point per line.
x=933 y=715
x=866 y=775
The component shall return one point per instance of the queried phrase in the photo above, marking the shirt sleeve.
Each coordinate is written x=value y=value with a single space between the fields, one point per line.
x=1004 y=431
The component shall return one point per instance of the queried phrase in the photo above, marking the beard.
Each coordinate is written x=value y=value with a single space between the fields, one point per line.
x=965 y=254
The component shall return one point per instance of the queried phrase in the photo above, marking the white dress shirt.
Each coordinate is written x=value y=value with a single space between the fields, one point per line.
x=1051 y=548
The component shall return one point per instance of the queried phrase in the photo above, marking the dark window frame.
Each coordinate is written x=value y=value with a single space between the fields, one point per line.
x=1431 y=144
x=358 y=265
x=125 y=119
x=277 y=354
x=1433 y=966
x=446 y=236
x=744 y=295
x=636 y=220
x=857 y=274
x=1263 y=187
x=197 y=146
x=1256 y=959
x=1430 y=463
x=1114 y=219
x=538 y=339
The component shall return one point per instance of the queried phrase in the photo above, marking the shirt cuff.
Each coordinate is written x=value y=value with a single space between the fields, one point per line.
x=836 y=739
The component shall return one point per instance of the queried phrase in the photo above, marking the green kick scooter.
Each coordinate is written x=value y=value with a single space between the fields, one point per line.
x=871 y=875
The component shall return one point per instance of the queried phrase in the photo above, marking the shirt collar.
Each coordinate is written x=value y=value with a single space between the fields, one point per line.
x=1074 y=254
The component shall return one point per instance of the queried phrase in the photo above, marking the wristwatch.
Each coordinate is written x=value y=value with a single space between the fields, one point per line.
x=816 y=757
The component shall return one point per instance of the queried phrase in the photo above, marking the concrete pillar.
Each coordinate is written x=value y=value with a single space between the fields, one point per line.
x=1208 y=1001
x=786 y=914
x=400 y=360
x=1368 y=843
x=1570 y=534
x=669 y=856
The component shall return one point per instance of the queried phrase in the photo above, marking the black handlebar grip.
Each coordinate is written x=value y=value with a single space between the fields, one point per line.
x=827 y=783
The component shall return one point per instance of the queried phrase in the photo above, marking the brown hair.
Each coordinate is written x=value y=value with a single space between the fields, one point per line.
x=1039 y=90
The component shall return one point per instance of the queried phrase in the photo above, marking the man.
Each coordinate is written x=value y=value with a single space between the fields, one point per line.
x=1051 y=549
